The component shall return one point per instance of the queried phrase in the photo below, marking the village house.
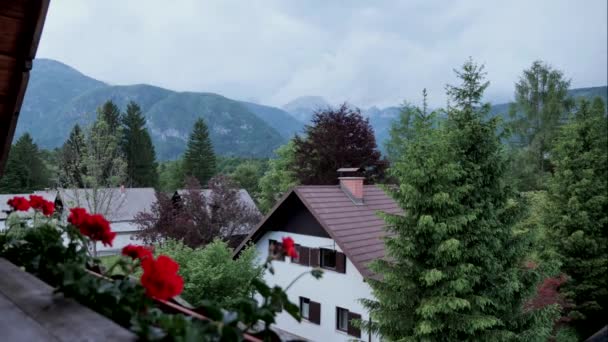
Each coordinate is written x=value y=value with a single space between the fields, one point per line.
x=338 y=229
x=120 y=206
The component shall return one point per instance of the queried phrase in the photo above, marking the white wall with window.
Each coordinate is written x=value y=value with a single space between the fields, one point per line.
x=327 y=305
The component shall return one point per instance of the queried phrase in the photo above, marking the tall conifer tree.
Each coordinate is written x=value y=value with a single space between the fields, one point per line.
x=110 y=113
x=72 y=165
x=578 y=193
x=138 y=149
x=454 y=270
x=25 y=169
x=199 y=159
x=541 y=105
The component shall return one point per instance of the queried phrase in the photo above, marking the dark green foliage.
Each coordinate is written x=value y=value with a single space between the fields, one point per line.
x=199 y=159
x=402 y=129
x=541 y=105
x=578 y=215
x=138 y=149
x=278 y=179
x=110 y=113
x=25 y=170
x=72 y=161
x=337 y=138
x=171 y=175
x=248 y=173
x=455 y=268
x=231 y=280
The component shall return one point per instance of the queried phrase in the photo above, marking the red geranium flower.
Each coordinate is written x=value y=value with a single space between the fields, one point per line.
x=97 y=228
x=37 y=202
x=160 y=278
x=48 y=208
x=77 y=216
x=137 y=252
x=289 y=247
x=19 y=203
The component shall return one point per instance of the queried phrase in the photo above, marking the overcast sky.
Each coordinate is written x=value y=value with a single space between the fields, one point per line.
x=364 y=52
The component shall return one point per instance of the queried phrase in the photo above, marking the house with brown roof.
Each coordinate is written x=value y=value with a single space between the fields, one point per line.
x=337 y=228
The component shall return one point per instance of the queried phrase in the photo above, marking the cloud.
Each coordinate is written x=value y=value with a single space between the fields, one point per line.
x=368 y=53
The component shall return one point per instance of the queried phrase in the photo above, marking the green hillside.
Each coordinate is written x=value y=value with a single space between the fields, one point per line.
x=59 y=97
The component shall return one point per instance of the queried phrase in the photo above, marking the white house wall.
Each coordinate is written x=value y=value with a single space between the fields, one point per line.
x=331 y=291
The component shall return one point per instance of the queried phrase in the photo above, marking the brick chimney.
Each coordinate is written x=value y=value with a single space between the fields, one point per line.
x=351 y=182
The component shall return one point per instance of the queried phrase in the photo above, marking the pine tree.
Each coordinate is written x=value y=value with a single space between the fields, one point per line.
x=454 y=270
x=138 y=150
x=579 y=213
x=199 y=159
x=72 y=166
x=110 y=113
x=25 y=170
x=541 y=104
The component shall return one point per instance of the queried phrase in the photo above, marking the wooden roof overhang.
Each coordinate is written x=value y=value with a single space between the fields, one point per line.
x=21 y=23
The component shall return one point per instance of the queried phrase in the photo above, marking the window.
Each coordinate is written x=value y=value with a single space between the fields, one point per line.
x=275 y=250
x=344 y=322
x=328 y=258
x=297 y=260
x=342 y=319
x=305 y=307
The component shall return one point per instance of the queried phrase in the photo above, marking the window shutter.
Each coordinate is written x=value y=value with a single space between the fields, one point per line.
x=340 y=262
x=304 y=256
x=314 y=257
x=352 y=330
x=315 y=312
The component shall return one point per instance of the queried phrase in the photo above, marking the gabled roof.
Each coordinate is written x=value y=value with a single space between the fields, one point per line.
x=357 y=228
x=115 y=203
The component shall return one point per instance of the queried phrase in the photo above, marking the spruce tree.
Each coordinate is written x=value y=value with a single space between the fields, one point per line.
x=110 y=113
x=199 y=159
x=25 y=169
x=579 y=213
x=137 y=149
x=454 y=267
x=72 y=165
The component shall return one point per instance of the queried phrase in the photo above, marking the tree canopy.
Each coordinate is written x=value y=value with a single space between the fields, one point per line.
x=337 y=138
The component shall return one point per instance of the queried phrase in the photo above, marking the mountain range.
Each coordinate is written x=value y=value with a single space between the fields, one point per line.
x=59 y=96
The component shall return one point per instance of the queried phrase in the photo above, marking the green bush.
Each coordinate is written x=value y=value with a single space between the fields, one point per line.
x=210 y=273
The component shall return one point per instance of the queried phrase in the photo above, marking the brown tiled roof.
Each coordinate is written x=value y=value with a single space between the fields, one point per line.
x=356 y=228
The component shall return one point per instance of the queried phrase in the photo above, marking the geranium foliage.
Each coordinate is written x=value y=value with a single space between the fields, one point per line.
x=58 y=253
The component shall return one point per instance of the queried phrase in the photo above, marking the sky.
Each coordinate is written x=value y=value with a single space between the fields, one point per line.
x=368 y=53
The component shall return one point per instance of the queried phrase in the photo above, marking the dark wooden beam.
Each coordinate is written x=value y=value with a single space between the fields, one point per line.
x=32 y=14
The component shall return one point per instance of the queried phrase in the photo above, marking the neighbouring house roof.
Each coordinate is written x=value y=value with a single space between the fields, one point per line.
x=244 y=196
x=356 y=228
x=114 y=203
x=21 y=25
x=4 y=207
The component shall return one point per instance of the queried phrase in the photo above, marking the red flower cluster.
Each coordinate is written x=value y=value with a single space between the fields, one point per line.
x=95 y=226
x=19 y=203
x=36 y=202
x=39 y=203
x=137 y=252
x=160 y=278
x=289 y=247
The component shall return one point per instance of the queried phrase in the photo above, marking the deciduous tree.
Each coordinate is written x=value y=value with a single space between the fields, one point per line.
x=337 y=138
